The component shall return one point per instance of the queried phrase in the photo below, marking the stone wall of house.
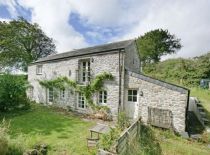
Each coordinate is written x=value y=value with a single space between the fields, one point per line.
x=98 y=63
x=157 y=94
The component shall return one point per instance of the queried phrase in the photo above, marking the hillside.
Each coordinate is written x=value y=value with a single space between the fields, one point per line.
x=185 y=72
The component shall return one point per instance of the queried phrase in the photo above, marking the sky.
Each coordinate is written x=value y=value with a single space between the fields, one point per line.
x=75 y=24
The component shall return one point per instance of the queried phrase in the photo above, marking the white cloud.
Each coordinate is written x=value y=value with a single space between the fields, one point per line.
x=53 y=16
x=4 y=19
x=109 y=13
x=188 y=20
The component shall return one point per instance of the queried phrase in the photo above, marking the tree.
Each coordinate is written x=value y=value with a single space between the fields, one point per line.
x=155 y=44
x=13 y=92
x=22 y=42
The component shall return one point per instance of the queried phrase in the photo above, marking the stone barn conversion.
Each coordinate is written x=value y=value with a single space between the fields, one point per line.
x=156 y=102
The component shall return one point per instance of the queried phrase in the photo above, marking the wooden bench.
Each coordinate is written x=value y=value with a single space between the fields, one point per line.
x=92 y=142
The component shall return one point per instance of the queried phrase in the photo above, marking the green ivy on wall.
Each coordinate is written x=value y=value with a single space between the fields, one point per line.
x=88 y=90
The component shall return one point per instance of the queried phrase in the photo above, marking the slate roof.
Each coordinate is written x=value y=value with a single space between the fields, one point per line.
x=90 y=50
x=167 y=85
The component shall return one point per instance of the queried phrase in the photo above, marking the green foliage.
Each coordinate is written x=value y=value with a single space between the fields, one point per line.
x=22 y=42
x=88 y=90
x=122 y=121
x=155 y=44
x=187 y=72
x=4 y=137
x=13 y=92
x=107 y=140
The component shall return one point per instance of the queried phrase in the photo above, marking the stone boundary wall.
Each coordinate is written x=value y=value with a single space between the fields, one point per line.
x=127 y=137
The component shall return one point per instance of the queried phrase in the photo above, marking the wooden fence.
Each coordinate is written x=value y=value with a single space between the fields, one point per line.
x=127 y=137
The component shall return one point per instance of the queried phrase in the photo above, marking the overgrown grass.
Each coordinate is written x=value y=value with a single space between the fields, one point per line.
x=174 y=145
x=63 y=133
x=154 y=141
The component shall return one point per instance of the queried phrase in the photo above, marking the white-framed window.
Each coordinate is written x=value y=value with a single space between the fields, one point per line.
x=103 y=97
x=30 y=92
x=132 y=95
x=62 y=93
x=81 y=101
x=85 y=71
x=50 y=95
x=39 y=69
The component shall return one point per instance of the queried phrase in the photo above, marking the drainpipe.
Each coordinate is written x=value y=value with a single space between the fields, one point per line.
x=120 y=80
x=119 y=104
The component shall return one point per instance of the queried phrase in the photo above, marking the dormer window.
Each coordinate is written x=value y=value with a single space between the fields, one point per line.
x=39 y=69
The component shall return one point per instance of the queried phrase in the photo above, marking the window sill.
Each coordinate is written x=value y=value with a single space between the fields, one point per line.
x=102 y=104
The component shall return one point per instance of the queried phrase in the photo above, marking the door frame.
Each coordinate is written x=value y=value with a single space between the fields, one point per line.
x=135 y=104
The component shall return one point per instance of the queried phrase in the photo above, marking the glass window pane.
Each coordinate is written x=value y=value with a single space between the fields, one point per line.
x=129 y=98
x=129 y=92
x=105 y=93
x=134 y=98
x=134 y=92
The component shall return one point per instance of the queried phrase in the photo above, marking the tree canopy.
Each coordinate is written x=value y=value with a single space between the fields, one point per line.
x=156 y=43
x=22 y=42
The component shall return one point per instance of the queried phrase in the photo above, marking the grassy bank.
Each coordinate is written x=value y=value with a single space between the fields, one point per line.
x=63 y=133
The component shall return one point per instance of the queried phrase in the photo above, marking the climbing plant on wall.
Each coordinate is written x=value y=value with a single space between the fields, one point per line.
x=88 y=90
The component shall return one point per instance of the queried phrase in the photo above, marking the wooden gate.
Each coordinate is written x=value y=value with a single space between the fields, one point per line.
x=160 y=117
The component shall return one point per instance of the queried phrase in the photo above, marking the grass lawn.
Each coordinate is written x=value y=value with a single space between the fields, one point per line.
x=64 y=133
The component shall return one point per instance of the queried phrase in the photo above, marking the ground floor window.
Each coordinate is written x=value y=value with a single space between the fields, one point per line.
x=81 y=100
x=103 y=97
x=62 y=94
x=50 y=95
x=30 y=93
x=132 y=95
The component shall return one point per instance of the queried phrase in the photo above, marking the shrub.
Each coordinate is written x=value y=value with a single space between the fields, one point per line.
x=13 y=92
x=204 y=137
x=107 y=140
x=123 y=121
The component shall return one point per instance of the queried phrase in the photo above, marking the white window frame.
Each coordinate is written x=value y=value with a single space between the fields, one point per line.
x=39 y=69
x=102 y=97
x=50 y=96
x=132 y=95
x=85 y=70
x=62 y=94
x=81 y=104
x=31 y=92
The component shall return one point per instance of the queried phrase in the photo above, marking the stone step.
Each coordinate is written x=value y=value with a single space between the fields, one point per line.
x=195 y=136
x=200 y=108
x=202 y=114
x=205 y=120
x=199 y=105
